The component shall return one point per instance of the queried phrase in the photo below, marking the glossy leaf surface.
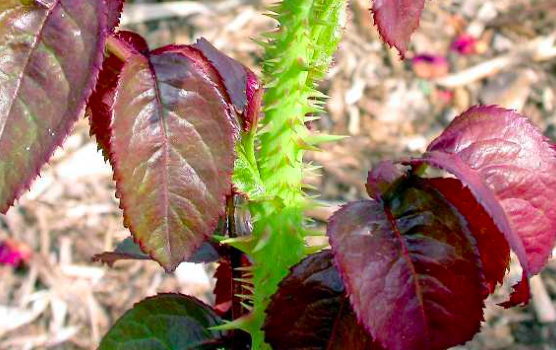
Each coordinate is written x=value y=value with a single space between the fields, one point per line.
x=172 y=144
x=410 y=267
x=51 y=55
x=511 y=170
x=397 y=20
x=492 y=245
x=166 y=322
x=311 y=311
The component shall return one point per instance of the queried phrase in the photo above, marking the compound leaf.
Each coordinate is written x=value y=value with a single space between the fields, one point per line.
x=51 y=55
x=311 y=310
x=511 y=170
x=172 y=149
x=411 y=268
x=166 y=322
x=397 y=20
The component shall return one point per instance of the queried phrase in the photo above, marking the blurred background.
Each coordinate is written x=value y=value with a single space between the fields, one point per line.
x=466 y=52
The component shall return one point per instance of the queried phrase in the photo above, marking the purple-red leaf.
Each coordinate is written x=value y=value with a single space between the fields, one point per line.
x=223 y=288
x=411 y=268
x=511 y=170
x=381 y=177
x=493 y=248
x=129 y=250
x=172 y=149
x=114 y=8
x=51 y=55
x=241 y=83
x=311 y=310
x=397 y=20
x=100 y=104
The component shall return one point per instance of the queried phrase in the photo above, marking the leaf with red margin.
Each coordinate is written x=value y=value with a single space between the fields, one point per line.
x=410 y=267
x=166 y=321
x=510 y=168
x=51 y=56
x=100 y=104
x=397 y=20
x=129 y=250
x=520 y=295
x=493 y=248
x=311 y=310
x=172 y=150
x=241 y=83
x=115 y=8
x=381 y=177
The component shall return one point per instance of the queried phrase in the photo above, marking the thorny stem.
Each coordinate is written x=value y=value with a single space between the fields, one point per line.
x=296 y=55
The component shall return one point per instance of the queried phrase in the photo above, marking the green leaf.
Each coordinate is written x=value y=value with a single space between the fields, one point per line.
x=166 y=322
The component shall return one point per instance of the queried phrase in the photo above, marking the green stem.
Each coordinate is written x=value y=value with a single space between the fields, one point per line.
x=298 y=53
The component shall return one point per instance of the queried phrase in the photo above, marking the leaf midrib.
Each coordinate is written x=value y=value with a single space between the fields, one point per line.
x=405 y=254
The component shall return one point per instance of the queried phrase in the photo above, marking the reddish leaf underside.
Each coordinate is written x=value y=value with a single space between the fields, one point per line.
x=520 y=295
x=310 y=310
x=129 y=250
x=411 y=269
x=101 y=101
x=172 y=147
x=223 y=289
x=397 y=20
x=511 y=170
x=52 y=53
x=493 y=248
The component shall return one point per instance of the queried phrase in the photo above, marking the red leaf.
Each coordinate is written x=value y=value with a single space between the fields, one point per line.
x=129 y=250
x=223 y=289
x=520 y=294
x=241 y=83
x=310 y=310
x=172 y=150
x=100 y=104
x=51 y=56
x=115 y=8
x=410 y=268
x=511 y=170
x=493 y=248
x=381 y=177
x=397 y=20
